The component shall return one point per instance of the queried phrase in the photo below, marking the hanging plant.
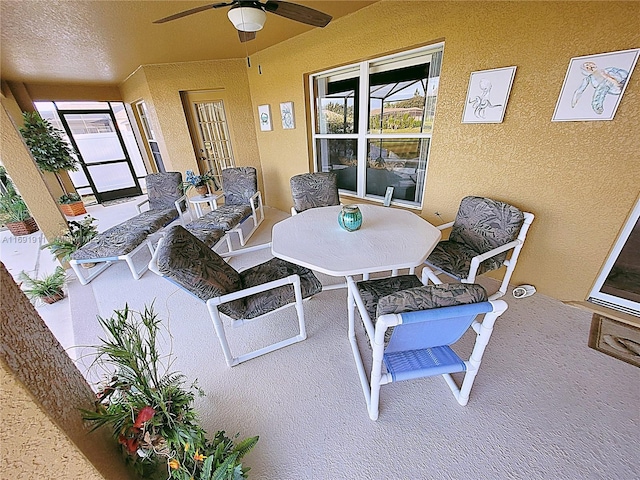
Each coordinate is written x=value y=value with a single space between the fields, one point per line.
x=47 y=144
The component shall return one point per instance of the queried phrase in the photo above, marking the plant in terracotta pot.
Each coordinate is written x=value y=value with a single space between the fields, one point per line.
x=15 y=214
x=71 y=204
x=76 y=236
x=49 y=288
x=199 y=182
x=48 y=147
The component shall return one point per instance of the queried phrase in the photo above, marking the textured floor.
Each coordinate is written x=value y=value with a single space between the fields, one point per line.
x=544 y=405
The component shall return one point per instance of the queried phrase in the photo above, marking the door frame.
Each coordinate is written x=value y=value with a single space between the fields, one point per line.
x=111 y=194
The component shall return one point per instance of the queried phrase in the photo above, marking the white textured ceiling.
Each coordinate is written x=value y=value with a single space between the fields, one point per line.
x=102 y=42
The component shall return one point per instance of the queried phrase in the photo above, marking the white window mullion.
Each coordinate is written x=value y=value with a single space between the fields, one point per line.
x=363 y=128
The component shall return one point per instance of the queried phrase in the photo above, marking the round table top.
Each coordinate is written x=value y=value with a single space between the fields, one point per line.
x=203 y=198
x=389 y=239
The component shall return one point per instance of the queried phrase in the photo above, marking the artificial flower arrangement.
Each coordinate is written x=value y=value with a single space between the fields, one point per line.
x=193 y=180
x=151 y=411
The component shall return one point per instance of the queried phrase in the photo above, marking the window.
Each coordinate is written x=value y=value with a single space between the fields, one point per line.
x=373 y=123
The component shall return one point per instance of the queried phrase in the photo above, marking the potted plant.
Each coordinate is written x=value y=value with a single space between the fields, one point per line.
x=199 y=182
x=71 y=204
x=49 y=288
x=77 y=235
x=48 y=148
x=151 y=410
x=15 y=214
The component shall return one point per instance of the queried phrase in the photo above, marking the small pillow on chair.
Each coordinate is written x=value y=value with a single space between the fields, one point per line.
x=192 y=265
x=433 y=296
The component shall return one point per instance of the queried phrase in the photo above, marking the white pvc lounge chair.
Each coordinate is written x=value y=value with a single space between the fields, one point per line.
x=411 y=329
x=243 y=296
x=125 y=240
x=486 y=235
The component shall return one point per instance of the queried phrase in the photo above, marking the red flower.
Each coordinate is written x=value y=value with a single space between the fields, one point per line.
x=144 y=416
x=132 y=445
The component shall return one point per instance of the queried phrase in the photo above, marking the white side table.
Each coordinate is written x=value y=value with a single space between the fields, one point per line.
x=199 y=200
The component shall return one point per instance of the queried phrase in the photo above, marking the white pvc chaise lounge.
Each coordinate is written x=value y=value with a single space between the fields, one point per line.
x=125 y=240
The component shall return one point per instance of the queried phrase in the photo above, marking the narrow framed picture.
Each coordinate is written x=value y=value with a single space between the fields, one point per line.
x=593 y=86
x=387 y=196
x=264 y=113
x=487 y=95
x=286 y=112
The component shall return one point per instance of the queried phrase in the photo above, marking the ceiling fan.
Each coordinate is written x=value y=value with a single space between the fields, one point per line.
x=248 y=16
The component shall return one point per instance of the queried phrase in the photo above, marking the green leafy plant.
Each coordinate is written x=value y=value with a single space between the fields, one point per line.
x=47 y=144
x=77 y=235
x=150 y=410
x=12 y=208
x=47 y=287
x=69 y=198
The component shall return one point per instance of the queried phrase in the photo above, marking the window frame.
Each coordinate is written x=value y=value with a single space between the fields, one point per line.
x=364 y=69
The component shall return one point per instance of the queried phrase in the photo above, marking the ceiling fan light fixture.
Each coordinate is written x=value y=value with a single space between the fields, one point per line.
x=247 y=19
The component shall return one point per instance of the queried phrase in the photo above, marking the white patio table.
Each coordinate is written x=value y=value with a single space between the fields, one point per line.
x=389 y=239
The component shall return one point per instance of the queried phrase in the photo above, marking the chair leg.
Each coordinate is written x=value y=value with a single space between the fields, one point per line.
x=222 y=337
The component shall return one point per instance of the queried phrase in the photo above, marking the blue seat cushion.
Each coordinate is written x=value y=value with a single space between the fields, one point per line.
x=224 y=217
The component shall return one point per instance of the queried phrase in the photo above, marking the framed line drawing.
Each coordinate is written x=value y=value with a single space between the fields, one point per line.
x=487 y=95
x=264 y=113
x=286 y=112
x=593 y=86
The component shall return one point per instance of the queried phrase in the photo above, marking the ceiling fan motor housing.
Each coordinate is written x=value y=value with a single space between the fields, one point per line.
x=247 y=19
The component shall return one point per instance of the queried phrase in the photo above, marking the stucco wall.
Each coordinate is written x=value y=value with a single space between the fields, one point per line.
x=43 y=432
x=161 y=89
x=580 y=179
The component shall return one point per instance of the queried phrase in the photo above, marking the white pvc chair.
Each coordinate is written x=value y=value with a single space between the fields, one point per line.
x=415 y=340
x=242 y=296
x=483 y=235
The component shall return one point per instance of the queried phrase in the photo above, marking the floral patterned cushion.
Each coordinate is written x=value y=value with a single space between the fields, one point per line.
x=311 y=190
x=482 y=224
x=239 y=184
x=195 y=267
x=163 y=189
x=269 y=300
x=207 y=235
x=224 y=217
x=372 y=291
x=455 y=258
x=126 y=236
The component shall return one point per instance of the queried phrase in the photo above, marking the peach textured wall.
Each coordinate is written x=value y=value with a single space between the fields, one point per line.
x=163 y=84
x=42 y=391
x=36 y=447
x=580 y=179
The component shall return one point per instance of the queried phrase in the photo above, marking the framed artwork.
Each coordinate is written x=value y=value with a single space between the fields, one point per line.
x=593 y=86
x=264 y=112
x=286 y=112
x=487 y=95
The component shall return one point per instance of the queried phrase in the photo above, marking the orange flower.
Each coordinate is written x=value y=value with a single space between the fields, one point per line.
x=198 y=457
x=174 y=464
x=186 y=447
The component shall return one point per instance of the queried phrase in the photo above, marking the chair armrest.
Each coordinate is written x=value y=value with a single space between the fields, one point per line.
x=478 y=259
x=444 y=226
x=182 y=199
x=290 y=280
x=256 y=205
x=139 y=205
x=215 y=199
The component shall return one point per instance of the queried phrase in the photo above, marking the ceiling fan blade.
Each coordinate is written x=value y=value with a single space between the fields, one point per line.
x=299 y=13
x=246 y=36
x=191 y=11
